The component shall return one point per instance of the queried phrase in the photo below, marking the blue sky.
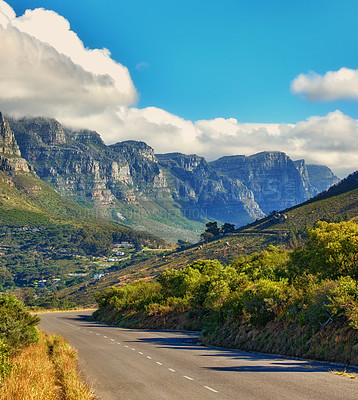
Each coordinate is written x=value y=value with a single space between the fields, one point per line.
x=204 y=60
x=227 y=58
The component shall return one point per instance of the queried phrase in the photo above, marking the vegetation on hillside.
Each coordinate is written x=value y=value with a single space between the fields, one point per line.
x=312 y=289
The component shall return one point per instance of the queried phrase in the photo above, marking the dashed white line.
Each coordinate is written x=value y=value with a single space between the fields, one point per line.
x=132 y=349
x=159 y=363
x=188 y=377
x=112 y=340
x=90 y=332
x=171 y=369
x=105 y=337
x=118 y=343
x=149 y=357
x=209 y=388
x=126 y=346
x=140 y=352
x=98 y=334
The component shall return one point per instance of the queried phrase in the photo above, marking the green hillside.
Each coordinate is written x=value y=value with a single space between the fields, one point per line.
x=25 y=200
x=286 y=229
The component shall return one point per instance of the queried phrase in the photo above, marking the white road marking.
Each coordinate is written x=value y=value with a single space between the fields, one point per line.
x=98 y=334
x=118 y=343
x=149 y=357
x=73 y=326
x=90 y=331
x=209 y=388
x=132 y=349
x=171 y=369
x=140 y=352
x=112 y=340
x=188 y=377
x=159 y=363
x=105 y=337
x=126 y=346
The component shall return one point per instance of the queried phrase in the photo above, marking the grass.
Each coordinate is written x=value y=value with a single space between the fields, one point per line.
x=46 y=371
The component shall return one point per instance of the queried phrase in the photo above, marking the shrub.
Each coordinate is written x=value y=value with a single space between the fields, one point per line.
x=17 y=325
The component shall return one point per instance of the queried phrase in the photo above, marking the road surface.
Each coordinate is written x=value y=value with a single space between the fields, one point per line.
x=123 y=364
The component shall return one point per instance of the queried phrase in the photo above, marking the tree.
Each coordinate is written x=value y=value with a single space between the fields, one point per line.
x=206 y=236
x=227 y=228
x=212 y=227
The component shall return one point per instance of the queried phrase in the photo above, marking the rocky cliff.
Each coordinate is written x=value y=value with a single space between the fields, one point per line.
x=10 y=156
x=275 y=180
x=172 y=195
x=200 y=189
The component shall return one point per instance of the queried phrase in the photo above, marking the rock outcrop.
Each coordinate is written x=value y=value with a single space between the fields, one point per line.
x=10 y=155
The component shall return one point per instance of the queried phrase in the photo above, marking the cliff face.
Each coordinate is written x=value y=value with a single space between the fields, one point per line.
x=161 y=193
x=275 y=180
x=198 y=187
x=10 y=156
x=321 y=177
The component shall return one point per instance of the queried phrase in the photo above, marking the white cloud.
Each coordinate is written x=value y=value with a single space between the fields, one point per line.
x=327 y=140
x=46 y=70
x=333 y=85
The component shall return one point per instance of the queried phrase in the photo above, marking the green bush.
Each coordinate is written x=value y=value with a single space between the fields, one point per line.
x=17 y=325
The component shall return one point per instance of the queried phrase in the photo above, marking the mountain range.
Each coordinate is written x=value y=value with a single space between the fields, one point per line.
x=171 y=195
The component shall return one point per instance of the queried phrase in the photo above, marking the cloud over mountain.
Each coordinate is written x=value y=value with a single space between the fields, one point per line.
x=45 y=69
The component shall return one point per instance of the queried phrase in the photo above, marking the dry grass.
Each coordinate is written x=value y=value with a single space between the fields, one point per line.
x=46 y=371
x=64 y=358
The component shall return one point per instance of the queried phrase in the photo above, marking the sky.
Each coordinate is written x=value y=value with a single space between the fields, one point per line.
x=208 y=77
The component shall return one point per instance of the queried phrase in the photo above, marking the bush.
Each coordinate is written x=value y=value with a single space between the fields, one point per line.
x=17 y=325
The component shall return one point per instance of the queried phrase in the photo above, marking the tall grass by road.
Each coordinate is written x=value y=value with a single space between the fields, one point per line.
x=46 y=370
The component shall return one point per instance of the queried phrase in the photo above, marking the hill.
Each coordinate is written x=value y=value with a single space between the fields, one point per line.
x=45 y=237
x=286 y=229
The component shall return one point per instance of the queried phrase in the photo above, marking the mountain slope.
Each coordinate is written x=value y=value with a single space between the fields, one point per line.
x=172 y=195
x=29 y=204
x=284 y=229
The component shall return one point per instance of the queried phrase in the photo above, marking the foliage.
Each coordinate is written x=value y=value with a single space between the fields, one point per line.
x=331 y=251
x=213 y=231
x=313 y=285
x=17 y=329
x=17 y=325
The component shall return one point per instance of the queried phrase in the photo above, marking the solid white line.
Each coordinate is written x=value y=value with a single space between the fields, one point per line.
x=188 y=377
x=159 y=363
x=209 y=388
x=171 y=369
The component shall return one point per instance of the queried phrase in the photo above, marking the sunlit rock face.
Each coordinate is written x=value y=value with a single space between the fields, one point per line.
x=10 y=155
x=276 y=181
x=128 y=177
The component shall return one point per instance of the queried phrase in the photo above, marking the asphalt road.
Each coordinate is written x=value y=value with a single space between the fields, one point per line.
x=135 y=364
